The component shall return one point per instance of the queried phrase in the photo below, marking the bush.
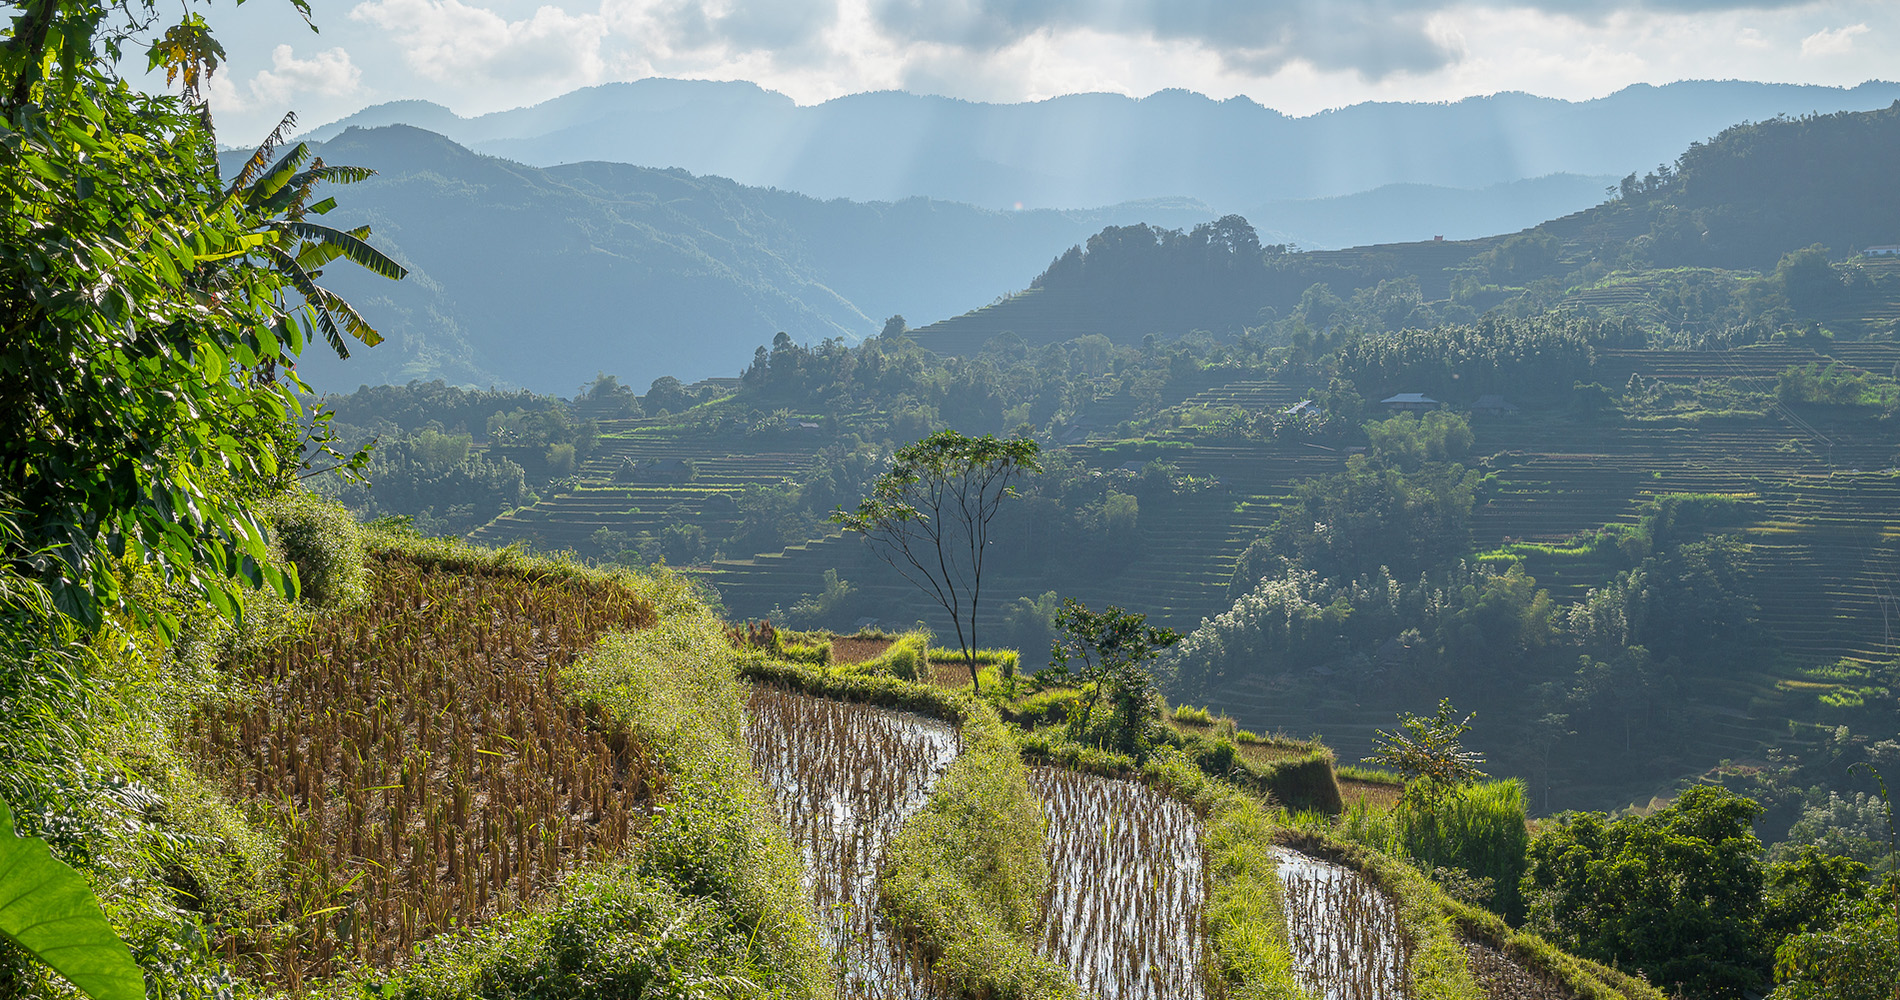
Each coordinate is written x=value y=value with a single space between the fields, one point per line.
x=904 y=659
x=323 y=540
x=607 y=932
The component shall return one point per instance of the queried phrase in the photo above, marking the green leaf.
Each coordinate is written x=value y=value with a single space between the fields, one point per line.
x=50 y=912
x=352 y=246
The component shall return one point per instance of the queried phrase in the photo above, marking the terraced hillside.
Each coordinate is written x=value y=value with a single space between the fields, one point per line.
x=567 y=519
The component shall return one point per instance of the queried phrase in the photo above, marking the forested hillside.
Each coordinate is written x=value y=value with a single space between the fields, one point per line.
x=1743 y=200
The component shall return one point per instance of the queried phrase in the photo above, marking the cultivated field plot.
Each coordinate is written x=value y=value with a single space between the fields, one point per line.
x=1503 y=978
x=1124 y=911
x=1345 y=932
x=846 y=776
x=424 y=764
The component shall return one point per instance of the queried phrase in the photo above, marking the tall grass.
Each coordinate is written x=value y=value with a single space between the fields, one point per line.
x=1477 y=829
x=717 y=842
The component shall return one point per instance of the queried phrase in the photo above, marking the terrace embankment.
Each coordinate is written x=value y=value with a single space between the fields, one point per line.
x=1504 y=978
x=1125 y=892
x=845 y=776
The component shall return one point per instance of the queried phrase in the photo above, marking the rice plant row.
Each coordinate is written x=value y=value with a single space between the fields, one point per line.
x=845 y=777
x=1347 y=943
x=1124 y=909
x=423 y=763
x=1503 y=978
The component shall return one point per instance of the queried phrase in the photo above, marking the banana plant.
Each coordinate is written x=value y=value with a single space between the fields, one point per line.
x=49 y=911
x=277 y=199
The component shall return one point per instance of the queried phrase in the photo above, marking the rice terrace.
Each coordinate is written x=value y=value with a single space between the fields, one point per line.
x=509 y=543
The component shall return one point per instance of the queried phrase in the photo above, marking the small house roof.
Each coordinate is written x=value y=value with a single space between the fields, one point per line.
x=1300 y=407
x=1408 y=397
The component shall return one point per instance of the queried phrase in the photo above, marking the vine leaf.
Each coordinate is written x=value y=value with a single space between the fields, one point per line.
x=50 y=912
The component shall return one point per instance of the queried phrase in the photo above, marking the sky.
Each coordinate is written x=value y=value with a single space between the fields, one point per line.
x=1296 y=56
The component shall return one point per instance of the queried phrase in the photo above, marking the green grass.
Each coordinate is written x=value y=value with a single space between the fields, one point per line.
x=966 y=876
x=1478 y=829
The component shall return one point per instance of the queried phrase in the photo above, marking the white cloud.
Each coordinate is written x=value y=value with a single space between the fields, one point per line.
x=1833 y=41
x=451 y=42
x=329 y=72
x=288 y=81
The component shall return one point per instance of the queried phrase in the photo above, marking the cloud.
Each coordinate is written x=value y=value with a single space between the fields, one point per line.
x=1375 y=38
x=329 y=72
x=1832 y=41
x=449 y=41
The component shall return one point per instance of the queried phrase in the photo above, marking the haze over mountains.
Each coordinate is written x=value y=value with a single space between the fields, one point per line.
x=542 y=276
x=1089 y=150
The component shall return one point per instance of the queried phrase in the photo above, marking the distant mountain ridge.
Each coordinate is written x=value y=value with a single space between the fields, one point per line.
x=1741 y=200
x=541 y=278
x=1087 y=150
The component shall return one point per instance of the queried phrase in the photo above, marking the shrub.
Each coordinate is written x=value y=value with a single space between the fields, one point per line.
x=613 y=931
x=323 y=540
x=1195 y=716
x=904 y=659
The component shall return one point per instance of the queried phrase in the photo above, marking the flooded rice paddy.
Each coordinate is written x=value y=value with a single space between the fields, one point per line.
x=1345 y=933
x=1504 y=978
x=1124 y=910
x=845 y=777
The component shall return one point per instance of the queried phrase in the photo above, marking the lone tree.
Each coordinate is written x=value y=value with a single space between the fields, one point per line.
x=1108 y=651
x=929 y=517
x=1430 y=753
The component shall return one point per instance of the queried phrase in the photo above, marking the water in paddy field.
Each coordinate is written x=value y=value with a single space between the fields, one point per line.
x=1124 y=910
x=845 y=777
x=1345 y=932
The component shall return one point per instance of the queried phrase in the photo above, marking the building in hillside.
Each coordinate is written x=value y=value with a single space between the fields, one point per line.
x=1300 y=409
x=1884 y=250
x=1493 y=405
x=1414 y=402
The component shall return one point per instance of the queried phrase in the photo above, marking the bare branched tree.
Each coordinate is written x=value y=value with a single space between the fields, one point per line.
x=929 y=518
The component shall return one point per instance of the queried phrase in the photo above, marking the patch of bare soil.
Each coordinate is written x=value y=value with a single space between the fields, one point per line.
x=1375 y=794
x=850 y=649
